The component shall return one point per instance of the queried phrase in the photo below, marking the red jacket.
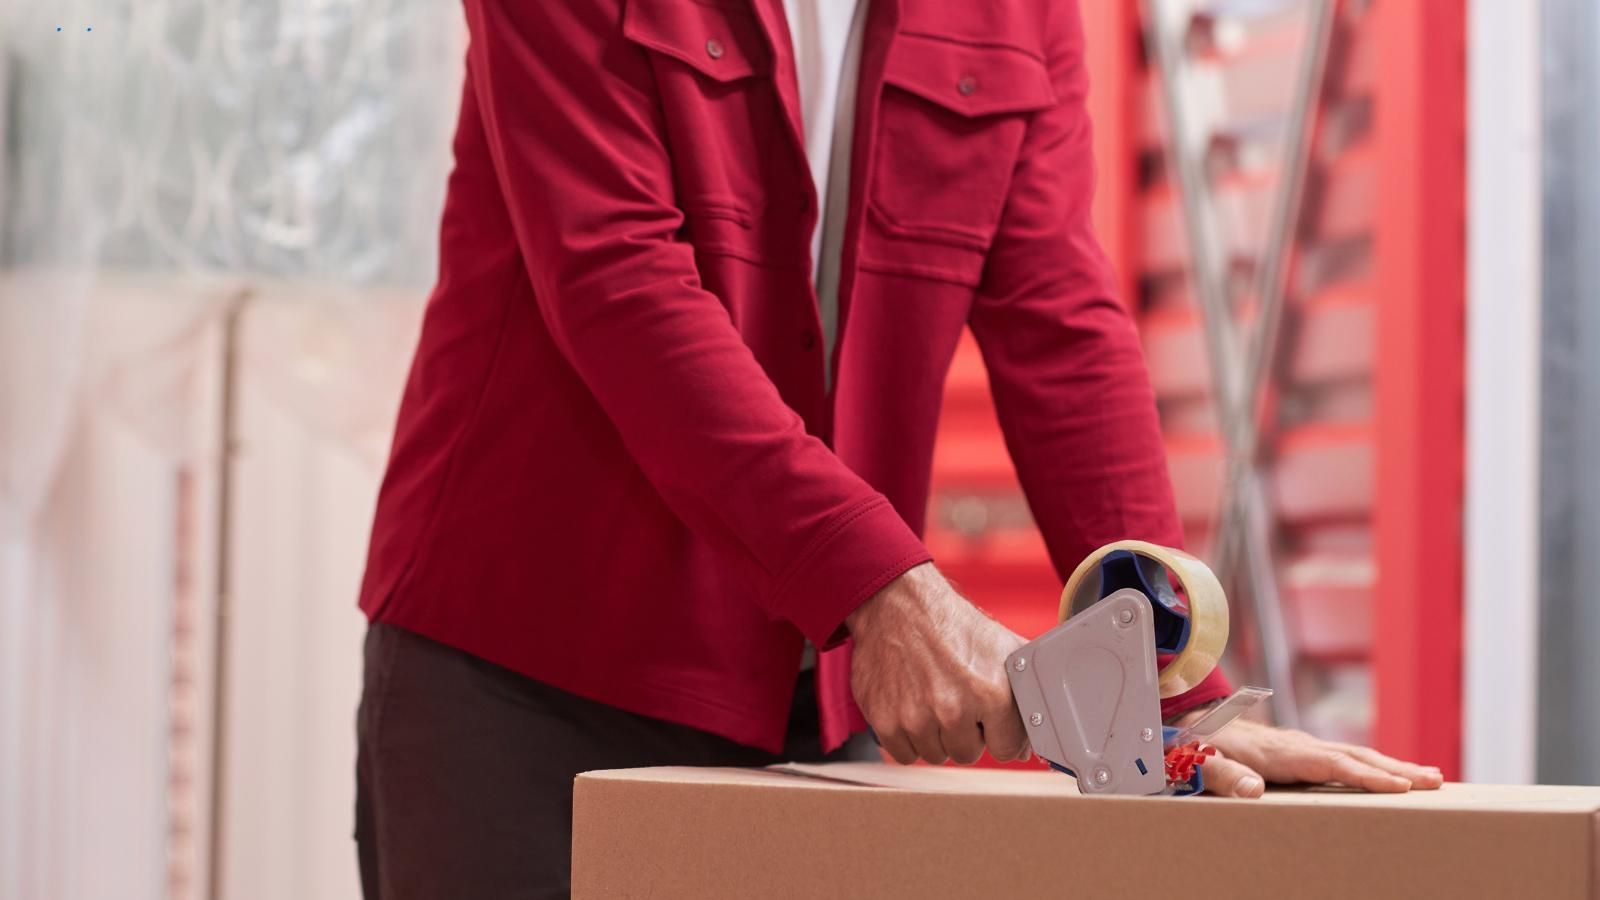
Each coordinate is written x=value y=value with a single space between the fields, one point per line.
x=617 y=469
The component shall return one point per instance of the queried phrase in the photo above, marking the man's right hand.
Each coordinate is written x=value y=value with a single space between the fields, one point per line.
x=928 y=671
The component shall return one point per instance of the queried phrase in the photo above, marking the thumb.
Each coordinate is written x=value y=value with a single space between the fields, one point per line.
x=1229 y=778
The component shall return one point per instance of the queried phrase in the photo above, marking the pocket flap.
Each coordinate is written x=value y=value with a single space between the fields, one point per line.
x=721 y=40
x=968 y=79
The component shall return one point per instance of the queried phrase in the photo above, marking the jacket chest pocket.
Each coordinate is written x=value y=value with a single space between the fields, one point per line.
x=951 y=123
x=722 y=121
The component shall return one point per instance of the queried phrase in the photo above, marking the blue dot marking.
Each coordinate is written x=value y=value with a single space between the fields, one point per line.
x=88 y=29
x=58 y=27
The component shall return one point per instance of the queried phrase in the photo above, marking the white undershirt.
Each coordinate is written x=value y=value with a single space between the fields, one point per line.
x=827 y=55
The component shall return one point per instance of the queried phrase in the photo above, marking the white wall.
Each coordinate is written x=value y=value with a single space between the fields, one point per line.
x=1500 y=701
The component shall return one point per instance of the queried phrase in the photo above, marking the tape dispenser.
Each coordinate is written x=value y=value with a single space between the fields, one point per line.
x=1089 y=690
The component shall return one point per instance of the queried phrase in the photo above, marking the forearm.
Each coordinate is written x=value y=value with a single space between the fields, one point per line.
x=1065 y=363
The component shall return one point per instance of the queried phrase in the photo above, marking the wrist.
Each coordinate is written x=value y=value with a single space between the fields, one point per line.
x=1189 y=716
x=907 y=593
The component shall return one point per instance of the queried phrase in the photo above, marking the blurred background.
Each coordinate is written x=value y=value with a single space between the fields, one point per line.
x=1358 y=237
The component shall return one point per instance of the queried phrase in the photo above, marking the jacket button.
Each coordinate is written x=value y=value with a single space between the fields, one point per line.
x=714 y=48
x=967 y=85
x=808 y=340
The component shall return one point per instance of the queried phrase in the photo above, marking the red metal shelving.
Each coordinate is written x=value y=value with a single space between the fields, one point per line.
x=1364 y=464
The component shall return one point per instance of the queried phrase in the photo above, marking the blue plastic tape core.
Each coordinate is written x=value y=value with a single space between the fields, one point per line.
x=1122 y=569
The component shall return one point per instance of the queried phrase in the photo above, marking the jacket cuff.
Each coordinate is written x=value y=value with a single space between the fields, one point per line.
x=1214 y=687
x=867 y=548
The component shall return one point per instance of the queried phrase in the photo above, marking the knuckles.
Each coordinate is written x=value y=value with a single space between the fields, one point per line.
x=919 y=721
x=997 y=698
x=950 y=715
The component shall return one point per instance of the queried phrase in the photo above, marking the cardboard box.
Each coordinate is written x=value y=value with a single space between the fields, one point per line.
x=867 y=830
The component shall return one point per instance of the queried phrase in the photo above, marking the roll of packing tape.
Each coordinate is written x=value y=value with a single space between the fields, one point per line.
x=1207 y=608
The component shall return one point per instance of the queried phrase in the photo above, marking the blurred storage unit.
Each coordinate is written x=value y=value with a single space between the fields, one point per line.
x=1360 y=431
x=318 y=370
x=107 y=494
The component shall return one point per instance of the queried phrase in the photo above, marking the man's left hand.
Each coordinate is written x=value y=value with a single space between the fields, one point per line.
x=1249 y=755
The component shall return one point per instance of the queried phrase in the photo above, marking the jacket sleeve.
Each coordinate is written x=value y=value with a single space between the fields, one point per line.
x=575 y=132
x=1065 y=366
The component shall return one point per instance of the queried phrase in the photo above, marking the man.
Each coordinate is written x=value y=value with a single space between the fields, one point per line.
x=704 y=264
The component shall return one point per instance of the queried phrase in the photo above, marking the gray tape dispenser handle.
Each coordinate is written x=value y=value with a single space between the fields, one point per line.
x=1087 y=692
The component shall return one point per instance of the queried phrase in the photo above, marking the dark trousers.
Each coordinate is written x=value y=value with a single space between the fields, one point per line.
x=464 y=772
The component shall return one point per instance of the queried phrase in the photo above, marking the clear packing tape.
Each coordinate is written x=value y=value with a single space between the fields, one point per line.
x=1202 y=602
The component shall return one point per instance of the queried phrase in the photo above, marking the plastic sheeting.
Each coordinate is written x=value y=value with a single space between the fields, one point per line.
x=165 y=164
x=289 y=139
x=281 y=138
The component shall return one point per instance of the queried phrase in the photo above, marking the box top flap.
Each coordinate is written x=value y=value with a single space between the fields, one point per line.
x=1045 y=784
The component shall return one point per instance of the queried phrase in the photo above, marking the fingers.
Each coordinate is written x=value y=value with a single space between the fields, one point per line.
x=906 y=746
x=959 y=732
x=1422 y=778
x=1334 y=764
x=1286 y=755
x=895 y=743
x=963 y=741
x=957 y=736
x=1226 y=777
x=1003 y=731
x=924 y=737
